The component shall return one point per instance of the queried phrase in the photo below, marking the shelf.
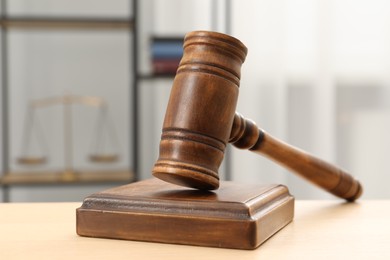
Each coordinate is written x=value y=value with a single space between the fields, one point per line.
x=151 y=76
x=66 y=23
x=81 y=177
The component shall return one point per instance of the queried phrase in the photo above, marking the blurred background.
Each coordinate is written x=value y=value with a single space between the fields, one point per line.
x=84 y=86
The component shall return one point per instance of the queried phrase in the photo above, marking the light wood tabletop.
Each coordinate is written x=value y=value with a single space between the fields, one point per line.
x=320 y=230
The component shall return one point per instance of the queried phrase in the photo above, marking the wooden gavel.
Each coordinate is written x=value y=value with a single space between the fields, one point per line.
x=200 y=120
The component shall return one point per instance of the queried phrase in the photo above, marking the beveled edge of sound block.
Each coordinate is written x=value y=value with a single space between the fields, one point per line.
x=235 y=216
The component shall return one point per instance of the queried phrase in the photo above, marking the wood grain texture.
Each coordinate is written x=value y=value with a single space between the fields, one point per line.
x=200 y=120
x=235 y=216
x=246 y=135
x=204 y=90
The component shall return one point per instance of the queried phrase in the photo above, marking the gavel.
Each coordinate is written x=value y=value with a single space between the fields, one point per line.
x=200 y=120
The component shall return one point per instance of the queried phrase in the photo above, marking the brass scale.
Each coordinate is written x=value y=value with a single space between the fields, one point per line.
x=105 y=146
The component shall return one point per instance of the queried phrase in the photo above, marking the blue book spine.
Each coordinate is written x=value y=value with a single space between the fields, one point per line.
x=167 y=50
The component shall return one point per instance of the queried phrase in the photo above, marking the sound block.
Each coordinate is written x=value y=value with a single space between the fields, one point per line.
x=234 y=216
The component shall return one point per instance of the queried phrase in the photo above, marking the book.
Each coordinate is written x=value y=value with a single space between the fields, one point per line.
x=164 y=50
x=165 y=66
x=166 y=53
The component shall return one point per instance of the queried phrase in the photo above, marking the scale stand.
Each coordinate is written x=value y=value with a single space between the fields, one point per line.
x=104 y=148
x=234 y=216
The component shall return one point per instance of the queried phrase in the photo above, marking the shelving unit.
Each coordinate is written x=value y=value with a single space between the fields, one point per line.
x=79 y=24
x=55 y=23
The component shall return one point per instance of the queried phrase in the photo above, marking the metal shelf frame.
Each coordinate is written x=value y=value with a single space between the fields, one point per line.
x=56 y=23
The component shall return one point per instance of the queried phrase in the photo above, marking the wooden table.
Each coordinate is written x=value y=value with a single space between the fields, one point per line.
x=320 y=230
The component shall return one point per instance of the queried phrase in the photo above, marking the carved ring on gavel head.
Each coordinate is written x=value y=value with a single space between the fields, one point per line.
x=200 y=120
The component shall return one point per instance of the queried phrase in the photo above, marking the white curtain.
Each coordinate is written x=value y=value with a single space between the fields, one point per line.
x=316 y=76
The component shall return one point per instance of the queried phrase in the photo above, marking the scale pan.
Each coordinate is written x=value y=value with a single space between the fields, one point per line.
x=31 y=160
x=104 y=158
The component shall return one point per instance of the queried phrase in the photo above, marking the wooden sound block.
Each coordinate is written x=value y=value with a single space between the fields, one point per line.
x=234 y=216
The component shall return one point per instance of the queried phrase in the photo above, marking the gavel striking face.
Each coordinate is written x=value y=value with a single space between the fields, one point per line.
x=200 y=120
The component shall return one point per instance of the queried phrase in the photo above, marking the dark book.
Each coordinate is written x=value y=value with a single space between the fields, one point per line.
x=165 y=66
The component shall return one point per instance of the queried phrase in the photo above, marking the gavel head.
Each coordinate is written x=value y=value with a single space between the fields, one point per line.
x=201 y=109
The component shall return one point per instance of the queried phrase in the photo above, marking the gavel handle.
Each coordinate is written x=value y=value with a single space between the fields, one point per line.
x=246 y=135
